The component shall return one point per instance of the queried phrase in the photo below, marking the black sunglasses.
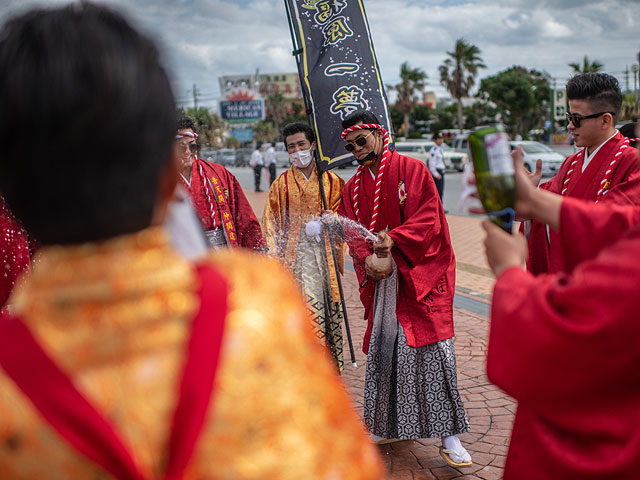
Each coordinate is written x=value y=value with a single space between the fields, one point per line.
x=360 y=141
x=576 y=118
x=193 y=147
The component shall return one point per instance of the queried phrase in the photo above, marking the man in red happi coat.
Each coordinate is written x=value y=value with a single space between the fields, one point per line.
x=564 y=345
x=411 y=380
x=600 y=172
x=223 y=208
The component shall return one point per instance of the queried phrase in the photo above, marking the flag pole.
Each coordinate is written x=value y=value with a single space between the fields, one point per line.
x=296 y=53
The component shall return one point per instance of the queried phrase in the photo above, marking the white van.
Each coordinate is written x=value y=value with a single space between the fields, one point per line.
x=460 y=143
x=419 y=149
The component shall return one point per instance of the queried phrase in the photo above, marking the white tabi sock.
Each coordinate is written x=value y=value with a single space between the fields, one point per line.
x=457 y=452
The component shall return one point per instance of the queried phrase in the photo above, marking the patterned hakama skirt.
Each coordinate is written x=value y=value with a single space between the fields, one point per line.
x=311 y=271
x=409 y=393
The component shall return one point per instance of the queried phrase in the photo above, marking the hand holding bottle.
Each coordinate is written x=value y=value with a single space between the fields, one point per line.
x=503 y=250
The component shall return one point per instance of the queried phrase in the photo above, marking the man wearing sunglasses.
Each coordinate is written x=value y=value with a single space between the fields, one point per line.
x=600 y=172
x=223 y=208
x=411 y=379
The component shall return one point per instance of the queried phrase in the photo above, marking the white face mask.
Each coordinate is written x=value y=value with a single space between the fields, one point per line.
x=301 y=159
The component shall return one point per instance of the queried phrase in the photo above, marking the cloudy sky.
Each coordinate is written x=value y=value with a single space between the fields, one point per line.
x=203 y=39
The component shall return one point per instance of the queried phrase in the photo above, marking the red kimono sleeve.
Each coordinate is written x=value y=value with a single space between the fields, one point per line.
x=587 y=228
x=556 y=341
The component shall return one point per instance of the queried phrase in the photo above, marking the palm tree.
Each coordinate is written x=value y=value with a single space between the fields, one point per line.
x=587 y=66
x=412 y=80
x=630 y=108
x=458 y=73
x=276 y=109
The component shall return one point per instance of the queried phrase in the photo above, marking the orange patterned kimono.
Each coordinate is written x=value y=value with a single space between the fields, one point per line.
x=292 y=202
x=115 y=317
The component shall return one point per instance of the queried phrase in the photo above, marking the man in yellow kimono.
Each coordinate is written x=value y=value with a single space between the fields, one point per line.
x=119 y=358
x=294 y=233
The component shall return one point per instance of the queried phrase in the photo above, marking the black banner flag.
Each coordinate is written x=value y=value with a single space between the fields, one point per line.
x=338 y=69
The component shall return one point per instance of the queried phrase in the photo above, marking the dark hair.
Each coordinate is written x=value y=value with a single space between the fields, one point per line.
x=298 y=127
x=629 y=130
x=87 y=124
x=359 y=116
x=184 y=123
x=601 y=90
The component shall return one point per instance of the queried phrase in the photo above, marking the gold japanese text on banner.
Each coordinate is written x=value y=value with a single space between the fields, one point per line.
x=338 y=69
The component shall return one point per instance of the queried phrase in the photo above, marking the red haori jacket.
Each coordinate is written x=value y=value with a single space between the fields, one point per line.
x=565 y=347
x=411 y=208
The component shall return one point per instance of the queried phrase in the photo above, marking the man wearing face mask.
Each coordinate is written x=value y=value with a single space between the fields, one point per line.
x=295 y=235
x=411 y=380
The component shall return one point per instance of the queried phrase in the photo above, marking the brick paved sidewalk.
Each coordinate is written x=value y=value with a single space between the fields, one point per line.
x=490 y=410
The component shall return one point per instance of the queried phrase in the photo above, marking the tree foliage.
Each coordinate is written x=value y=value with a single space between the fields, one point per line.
x=210 y=126
x=412 y=81
x=277 y=109
x=522 y=97
x=587 y=66
x=630 y=109
x=264 y=131
x=458 y=72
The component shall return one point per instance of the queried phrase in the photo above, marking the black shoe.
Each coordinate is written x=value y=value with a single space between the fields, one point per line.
x=259 y=190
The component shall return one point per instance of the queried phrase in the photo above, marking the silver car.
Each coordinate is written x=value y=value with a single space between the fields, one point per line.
x=551 y=161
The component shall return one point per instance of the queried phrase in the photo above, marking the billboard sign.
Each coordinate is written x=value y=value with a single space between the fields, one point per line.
x=242 y=111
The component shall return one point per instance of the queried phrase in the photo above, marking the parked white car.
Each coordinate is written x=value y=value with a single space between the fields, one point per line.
x=533 y=151
x=419 y=149
x=226 y=157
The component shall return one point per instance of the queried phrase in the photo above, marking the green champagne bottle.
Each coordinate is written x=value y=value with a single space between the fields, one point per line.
x=495 y=175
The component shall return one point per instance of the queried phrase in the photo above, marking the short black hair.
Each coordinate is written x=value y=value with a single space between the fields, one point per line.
x=601 y=90
x=630 y=130
x=87 y=124
x=298 y=127
x=185 y=122
x=359 y=116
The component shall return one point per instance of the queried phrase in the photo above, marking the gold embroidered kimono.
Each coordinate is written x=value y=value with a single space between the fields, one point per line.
x=115 y=317
x=292 y=202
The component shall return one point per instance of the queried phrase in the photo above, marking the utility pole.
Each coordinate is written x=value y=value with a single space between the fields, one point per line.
x=638 y=76
x=195 y=97
x=626 y=79
x=634 y=69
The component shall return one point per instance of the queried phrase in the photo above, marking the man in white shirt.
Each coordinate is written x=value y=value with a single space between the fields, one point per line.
x=436 y=162
x=270 y=161
x=257 y=163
